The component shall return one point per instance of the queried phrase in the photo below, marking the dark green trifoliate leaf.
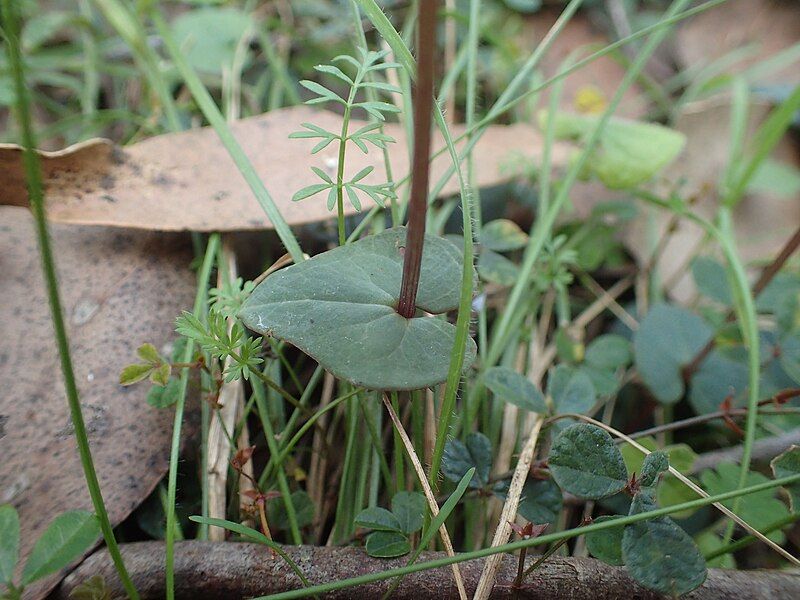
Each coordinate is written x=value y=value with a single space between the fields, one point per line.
x=606 y=544
x=509 y=386
x=585 y=461
x=339 y=307
x=668 y=338
x=541 y=500
x=785 y=465
x=502 y=235
x=387 y=544
x=65 y=539
x=608 y=352
x=378 y=518
x=9 y=542
x=711 y=279
x=303 y=510
x=654 y=464
x=660 y=555
x=460 y=457
x=759 y=509
x=629 y=153
x=209 y=36
x=496 y=268
x=571 y=390
x=409 y=508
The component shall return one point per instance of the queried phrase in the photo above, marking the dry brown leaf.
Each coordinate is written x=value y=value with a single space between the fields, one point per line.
x=187 y=181
x=767 y=26
x=119 y=289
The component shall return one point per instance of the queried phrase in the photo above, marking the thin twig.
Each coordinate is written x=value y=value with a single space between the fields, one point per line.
x=423 y=480
x=503 y=531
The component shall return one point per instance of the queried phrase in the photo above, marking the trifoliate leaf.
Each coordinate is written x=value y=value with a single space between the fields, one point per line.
x=660 y=555
x=606 y=545
x=571 y=390
x=387 y=544
x=378 y=518
x=668 y=338
x=460 y=457
x=409 y=508
x=585 y=461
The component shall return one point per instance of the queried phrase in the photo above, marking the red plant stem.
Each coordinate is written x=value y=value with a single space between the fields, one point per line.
x=418 y=202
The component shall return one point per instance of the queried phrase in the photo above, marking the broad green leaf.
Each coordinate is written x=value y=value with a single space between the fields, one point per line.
x=509 y=386
x=541 y=500
x=717 y=377
x=785 y=465
x=387 y=544
x=628 y=154
x=496 y=268
x=654 y=464
x=9 y=542
x=668 y=338
x=759 y=509
x=605 y=382
x=502 y=235
x=303 y=510
x=209 y=36
x=378 y=518
x=711 y=279
x=585 y=461
x=609 y=352
x=459 y=458
x=606 y=545
x=65 y=539
x=339 y=307
x=660 y=555
x=135 y=373
x=571 y=390
x=164 y=396
x=409 y=508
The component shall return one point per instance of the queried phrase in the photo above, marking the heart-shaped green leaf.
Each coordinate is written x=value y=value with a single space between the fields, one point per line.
x=409 y=508
x=378 y=518
x=339 y=307
x=585 y=461
x=387 y=544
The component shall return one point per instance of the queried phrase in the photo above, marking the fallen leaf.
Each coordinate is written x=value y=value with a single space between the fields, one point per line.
x=760 y=29
x=118 y=289
x=187 y=181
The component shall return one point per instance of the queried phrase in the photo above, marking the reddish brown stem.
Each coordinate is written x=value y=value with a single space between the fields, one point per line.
x=418 y=202
x=763 y=281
